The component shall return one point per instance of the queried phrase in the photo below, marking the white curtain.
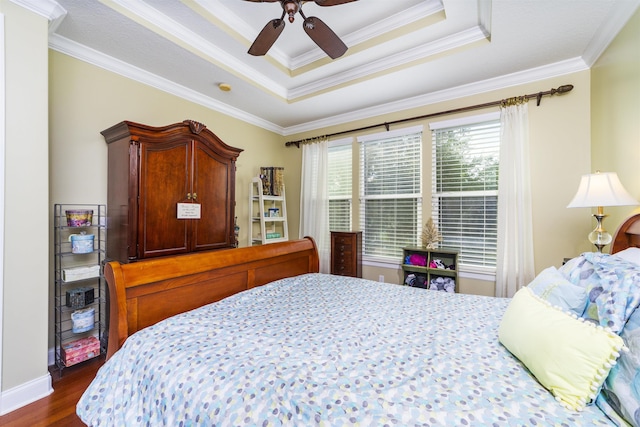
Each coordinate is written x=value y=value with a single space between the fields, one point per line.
x=515 y=263
x=314 y=199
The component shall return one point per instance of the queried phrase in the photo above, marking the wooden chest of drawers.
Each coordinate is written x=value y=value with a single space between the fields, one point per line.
x=346 y=253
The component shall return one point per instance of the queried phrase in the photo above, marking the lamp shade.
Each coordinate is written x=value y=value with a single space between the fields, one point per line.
x=601 y=189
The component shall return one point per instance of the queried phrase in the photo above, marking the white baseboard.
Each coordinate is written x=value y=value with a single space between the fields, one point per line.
x=24 y=394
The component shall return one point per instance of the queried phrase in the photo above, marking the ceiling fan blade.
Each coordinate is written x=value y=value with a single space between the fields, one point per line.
x=324 y=37
x=267 y=37
x=328 y=2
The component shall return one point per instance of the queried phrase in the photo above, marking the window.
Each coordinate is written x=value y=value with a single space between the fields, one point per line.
x=465 y=187
x=390 y=192
x=339 y=185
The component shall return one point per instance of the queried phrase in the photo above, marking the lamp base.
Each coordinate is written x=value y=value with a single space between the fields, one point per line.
x=599 y=236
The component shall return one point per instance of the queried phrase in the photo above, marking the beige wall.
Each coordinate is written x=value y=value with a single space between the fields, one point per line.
x=615 y=115
x=560 y=153
x=85 y=100
x=26 y=205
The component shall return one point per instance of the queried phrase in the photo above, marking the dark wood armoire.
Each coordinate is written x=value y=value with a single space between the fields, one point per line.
x=153 y=170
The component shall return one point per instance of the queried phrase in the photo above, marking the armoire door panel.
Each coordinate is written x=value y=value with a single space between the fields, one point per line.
x=164 y=182
x=211 y=231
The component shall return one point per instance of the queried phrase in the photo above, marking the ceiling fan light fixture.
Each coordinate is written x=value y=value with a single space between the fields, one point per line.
x=291 y=8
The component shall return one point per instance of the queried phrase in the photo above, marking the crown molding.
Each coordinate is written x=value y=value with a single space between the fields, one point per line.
x=609 y=29
x=234 y=23
x=91 y=56
x=505 y=81
x=98 y=59
x=191 y=40
x=150 y=17
x=222 y=13
x=380 y=28
x=49 y=9
x=419 y=53
x=396 y=21
x=52 y=11
x=484 y=16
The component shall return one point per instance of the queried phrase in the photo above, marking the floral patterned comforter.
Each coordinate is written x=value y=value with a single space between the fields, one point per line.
x=322 y=350
x=613 y=288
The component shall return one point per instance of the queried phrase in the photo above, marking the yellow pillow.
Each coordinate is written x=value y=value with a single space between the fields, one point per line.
x=568 y=356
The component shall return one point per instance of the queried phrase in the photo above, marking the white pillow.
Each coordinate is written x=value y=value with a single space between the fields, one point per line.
x=630 y=254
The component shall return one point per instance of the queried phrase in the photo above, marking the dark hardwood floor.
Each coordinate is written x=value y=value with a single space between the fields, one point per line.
x=59 y=408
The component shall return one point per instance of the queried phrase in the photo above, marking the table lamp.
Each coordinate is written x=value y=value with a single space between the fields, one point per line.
x=599 y=190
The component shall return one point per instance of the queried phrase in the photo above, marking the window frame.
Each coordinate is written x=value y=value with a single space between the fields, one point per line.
x=349 y=198
x=395 y=259
x=482 y=272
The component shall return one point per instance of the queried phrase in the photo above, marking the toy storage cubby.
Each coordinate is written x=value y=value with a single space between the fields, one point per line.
x=435 y=269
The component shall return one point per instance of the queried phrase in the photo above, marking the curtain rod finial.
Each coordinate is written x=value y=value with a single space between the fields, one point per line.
x=564 y=89
x=560 y=90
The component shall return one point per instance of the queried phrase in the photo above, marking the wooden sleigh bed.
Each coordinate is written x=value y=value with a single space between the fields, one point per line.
x=145 y=292
x=314 y=349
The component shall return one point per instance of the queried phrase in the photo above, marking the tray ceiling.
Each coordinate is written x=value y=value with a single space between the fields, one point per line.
x=401 y=53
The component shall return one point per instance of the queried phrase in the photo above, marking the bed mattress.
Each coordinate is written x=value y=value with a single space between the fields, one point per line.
x=323 y=350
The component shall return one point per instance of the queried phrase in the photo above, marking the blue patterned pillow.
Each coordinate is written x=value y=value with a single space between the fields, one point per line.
x=612 y=285
x=552 y=286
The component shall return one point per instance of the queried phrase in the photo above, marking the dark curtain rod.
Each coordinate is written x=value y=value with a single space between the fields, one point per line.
x=538 y=96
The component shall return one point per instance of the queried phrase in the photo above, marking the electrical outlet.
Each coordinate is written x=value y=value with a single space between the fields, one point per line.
x=381 y=278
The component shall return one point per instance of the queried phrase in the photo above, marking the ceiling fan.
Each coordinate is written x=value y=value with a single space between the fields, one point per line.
x=319 y=32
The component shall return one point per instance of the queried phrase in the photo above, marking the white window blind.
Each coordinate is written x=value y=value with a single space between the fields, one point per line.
x=390 y=192
x=465 y=189
x=340 y=186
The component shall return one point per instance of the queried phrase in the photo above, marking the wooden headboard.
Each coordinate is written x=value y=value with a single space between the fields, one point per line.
x=144 y=292
x=627 y=235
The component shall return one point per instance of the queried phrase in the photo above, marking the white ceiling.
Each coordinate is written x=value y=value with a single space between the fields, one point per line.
x=402 y=53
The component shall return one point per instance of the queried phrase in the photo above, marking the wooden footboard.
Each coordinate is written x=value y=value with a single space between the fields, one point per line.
x=144 y=292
